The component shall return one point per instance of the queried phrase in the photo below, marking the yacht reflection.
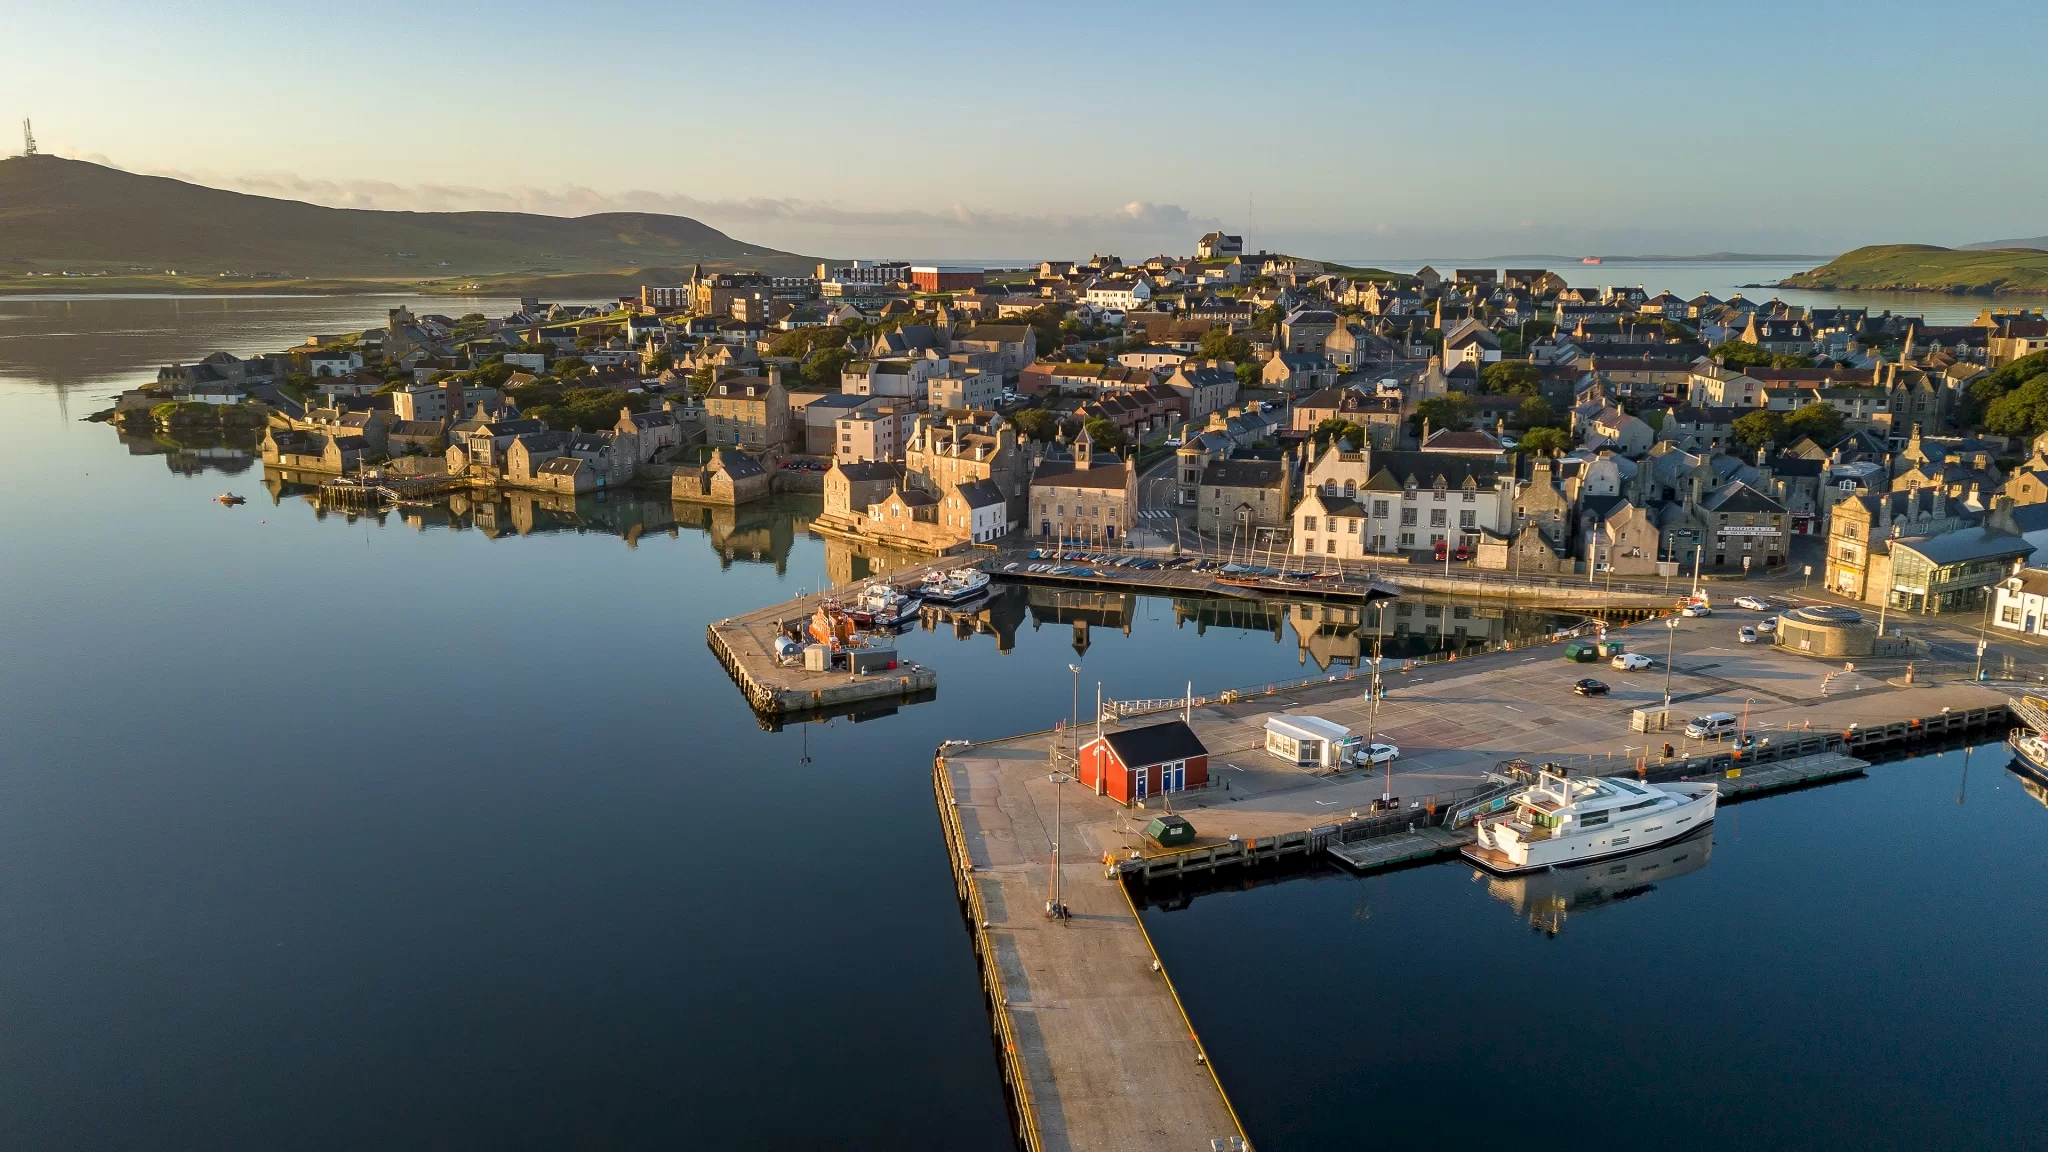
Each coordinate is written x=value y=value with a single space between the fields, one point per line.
x=1547 y=898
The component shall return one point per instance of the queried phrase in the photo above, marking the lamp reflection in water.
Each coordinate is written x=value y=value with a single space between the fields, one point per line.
x=1546 y=898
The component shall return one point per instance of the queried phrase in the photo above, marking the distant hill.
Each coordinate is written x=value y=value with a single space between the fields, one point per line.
x=1927 y=268
x=2038 y=243
x=57 y=214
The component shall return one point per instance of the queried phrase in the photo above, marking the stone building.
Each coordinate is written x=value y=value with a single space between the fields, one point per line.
x=1085 y=497
x=334 y=453
x=1237 y=499
x=731 y=476
x=1858 y=558
x=749 y=411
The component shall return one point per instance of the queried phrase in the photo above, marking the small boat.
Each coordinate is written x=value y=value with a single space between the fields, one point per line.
x=955 y=587
x=883 y=606
x=230 y=499
x=1563 y=820
x=2030 y=744
x=1590 y=260
x=831 y=626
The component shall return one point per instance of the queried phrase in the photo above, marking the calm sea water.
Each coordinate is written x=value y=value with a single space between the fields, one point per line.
x=449 y=831
x=1854 y=966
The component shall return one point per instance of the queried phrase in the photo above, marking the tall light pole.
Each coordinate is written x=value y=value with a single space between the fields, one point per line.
x=1698 y=554
x=1074 y=723
x=1055 y=907
x=1670 y=639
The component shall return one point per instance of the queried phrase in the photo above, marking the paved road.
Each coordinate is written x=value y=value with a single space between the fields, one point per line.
x=271 y=395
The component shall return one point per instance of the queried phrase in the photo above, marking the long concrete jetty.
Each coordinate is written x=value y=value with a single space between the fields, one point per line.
x=1096 y=1046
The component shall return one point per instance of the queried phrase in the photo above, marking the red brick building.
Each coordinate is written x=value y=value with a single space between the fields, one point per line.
x=941 y=278
x=1136 y=763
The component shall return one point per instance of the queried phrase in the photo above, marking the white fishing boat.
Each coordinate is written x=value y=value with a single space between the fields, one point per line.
x=884 y=606
x=955 y=587
x=1563 y=820
x=2030 y=744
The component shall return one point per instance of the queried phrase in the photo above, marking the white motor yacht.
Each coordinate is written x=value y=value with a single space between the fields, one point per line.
x=1573 y=819
x=955 y=587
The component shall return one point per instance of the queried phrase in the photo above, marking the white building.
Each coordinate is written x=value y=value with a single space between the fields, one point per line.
x=1118 y=295
x=2022 y=603
x=1357 y=504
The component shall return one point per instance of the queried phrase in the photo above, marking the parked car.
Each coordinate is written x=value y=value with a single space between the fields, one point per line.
x=1767 y=626
x=1631 y=662
x=1590 y=687
x=1374 y=755
x=1713 y=725
x=1753 y=603
x=1746 y=635
x=1695 y=610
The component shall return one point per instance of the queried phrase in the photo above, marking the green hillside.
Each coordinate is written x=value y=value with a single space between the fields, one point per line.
x=58 y=215
x=1926 y=268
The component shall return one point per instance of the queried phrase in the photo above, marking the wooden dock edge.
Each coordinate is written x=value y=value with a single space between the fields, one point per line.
x=1023 y=1116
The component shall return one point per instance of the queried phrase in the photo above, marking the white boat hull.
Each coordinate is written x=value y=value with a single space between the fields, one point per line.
x=1501 y=849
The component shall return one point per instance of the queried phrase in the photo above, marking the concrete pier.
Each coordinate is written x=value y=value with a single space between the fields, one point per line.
x=745 y=645
x=1096 y=1045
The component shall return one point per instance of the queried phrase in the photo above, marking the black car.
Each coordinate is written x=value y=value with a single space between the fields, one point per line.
x=1590 y=687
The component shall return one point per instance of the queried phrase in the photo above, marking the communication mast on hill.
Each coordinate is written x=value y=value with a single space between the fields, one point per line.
x=28 y=138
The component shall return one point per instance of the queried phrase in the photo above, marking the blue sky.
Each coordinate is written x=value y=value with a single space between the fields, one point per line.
x=1355 y=130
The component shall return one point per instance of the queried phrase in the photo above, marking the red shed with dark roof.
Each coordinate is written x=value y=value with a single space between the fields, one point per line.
x=1136 y=763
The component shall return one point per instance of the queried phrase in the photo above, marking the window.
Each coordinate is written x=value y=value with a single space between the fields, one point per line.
x=1438 y=517
x=1469 y=497
x=1407 y=539
x=1308 y=523
x=1468 y=520
x=1379 y=509
x=1408 y=518
x=2009 y=615
x=1330 y=545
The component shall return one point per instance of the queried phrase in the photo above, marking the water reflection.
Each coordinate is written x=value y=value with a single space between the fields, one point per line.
x=229 y=454
x=1548 y=898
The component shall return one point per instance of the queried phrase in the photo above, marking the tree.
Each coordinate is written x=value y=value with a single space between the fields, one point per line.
x=1545 y=442
x=1819 y=420
x=1107 y=437
x=1337 y=428
x=1223 y=344
x=1736 y=354
x=1535 y=412
x=2022 y=411
x=1452 y=411
x=822 y=367
x=1511 y=378
x=570 y=367
x=1988 y=389
x=1248 y=375
x=1761 y=427
x=1036 y=424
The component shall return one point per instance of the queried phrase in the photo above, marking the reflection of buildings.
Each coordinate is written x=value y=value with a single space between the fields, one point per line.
x=852 y=561
x=761 y=533
x=192 y=459
x=998 y=614
x=1329 y=633
x=1546 y=898
x=1206 y=612
x=1082 y=609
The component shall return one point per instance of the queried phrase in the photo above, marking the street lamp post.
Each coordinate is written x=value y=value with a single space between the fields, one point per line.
x=1670 y=640
x=1698 y=554
x=1056 y=906
x=1074 y=723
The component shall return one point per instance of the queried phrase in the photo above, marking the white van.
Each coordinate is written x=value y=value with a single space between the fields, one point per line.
x=1710 y=726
